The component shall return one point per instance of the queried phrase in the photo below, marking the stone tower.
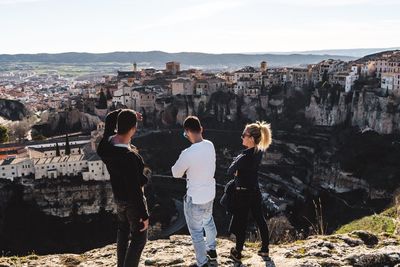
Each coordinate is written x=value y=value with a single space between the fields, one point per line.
x=264 y=66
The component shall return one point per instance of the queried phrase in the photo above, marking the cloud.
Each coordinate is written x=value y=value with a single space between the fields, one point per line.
x=14 y=2
x=193 y=13
x=334 y=3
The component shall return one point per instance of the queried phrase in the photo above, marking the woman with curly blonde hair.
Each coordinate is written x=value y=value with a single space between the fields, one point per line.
x=256 y=137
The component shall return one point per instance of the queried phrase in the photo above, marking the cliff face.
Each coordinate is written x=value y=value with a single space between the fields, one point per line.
x=382 y=114
x=56 y=123
x=355 y=249
x=331 y=176
x=64 y=200
x=220 y=106
x=366 y=110
x=12 y=110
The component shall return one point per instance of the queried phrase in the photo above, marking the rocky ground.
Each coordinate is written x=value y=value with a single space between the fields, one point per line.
x=358 y=248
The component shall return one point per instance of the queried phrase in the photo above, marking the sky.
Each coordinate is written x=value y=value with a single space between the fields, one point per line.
x=212 y=26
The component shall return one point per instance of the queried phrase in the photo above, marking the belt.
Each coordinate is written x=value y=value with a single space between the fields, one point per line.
x=241 y=188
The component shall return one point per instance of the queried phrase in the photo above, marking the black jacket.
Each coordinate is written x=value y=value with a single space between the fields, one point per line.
x=247 y=164
x=126 y=174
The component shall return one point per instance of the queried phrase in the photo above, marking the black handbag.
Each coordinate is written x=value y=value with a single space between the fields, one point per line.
x=227 y=199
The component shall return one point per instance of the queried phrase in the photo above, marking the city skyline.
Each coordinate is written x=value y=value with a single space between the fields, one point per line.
x=238 y=26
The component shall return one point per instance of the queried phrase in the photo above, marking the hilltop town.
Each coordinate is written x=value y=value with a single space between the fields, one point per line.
x=153 y=92
x=322 y=116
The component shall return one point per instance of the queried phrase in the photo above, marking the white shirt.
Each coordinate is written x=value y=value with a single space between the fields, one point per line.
x=198 y=161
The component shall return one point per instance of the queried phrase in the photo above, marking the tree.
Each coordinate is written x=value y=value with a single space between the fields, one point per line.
x=3 y=134
x=20 y=130
x=102 y=104
x=57 y=150
x=67 y=147
x=109 y=96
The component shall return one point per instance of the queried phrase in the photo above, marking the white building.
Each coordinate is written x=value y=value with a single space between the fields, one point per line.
x=53 y=167
x=387 y=81
x=345 y=79
x=136 y=97
x=182 y=86
x=243 y=84
x=12 y=168
x=38 y=166
x=97 y=170
x=350 y=79
x=52 y=151
x=252 y=92
x=248 y=73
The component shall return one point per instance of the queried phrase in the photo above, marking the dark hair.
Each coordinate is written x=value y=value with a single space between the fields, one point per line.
x=126 y=121
x=192 y=124
x=111 y=123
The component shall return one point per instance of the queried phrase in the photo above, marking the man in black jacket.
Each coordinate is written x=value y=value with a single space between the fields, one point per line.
x=125 y=166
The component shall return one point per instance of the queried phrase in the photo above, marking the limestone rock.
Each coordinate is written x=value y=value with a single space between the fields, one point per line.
x=12 y=110
x=316 y=251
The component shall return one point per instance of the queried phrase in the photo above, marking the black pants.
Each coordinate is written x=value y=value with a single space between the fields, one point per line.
x=128 y=253
x=246 y=201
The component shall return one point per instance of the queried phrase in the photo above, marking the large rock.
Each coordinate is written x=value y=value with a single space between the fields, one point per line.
x=56 y=123
x=366 y=110
x=13 y=110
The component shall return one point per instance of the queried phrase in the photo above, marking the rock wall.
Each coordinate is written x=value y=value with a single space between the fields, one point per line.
x=56 y=123
x=221 y=106
x=58 y=198
x=366 y=110
x=13 y=110
x=331 y=176
x=381 y=114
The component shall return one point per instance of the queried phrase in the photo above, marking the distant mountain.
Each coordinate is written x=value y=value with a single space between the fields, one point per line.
x=357 y=52
x=187 y=59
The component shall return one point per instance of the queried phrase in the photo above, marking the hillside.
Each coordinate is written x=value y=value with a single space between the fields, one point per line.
x=374 y=56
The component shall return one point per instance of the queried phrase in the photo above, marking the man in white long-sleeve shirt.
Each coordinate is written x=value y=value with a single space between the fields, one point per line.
x=198 y=162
